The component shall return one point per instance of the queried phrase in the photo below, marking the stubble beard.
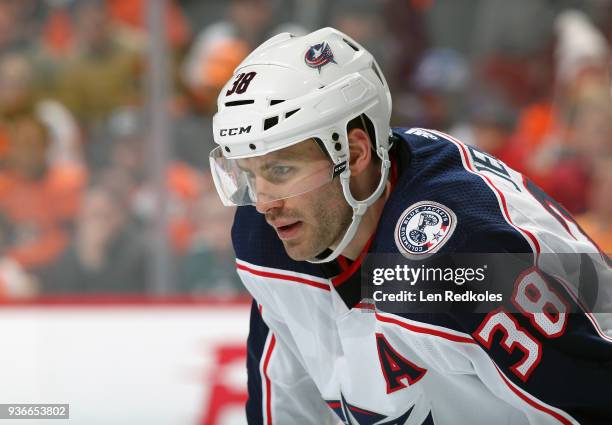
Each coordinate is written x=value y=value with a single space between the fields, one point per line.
x=325 y=224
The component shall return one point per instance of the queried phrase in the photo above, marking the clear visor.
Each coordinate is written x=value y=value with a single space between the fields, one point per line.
x=277 y=175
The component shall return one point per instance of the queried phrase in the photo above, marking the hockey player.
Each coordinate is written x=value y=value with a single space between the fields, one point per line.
x=306 y=152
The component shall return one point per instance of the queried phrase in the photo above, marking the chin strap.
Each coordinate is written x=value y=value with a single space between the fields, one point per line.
x=359 y=207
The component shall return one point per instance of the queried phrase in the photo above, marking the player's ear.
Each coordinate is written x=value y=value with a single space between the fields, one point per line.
x=360 y=151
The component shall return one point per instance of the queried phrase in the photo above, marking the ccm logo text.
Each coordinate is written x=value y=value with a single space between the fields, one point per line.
x=234 y=131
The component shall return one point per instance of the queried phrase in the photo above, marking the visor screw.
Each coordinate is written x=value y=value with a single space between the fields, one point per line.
x=335 y=137
x=227 y=149
x=338 y=146
x=252 y=146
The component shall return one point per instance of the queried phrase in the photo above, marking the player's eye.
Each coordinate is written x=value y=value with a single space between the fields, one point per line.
x=279 y=173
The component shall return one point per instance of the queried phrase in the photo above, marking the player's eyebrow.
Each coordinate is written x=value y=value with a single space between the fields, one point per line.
x=267 y=165
x=260 y=167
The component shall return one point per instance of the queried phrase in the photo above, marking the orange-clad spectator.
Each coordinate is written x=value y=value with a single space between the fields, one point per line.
x=19 y=95
x=133 y=14
x=597 y=222
x=4 y=144
x=103 y=69
x=539 y=135
x=57 y=32
x=559 y=140
x=184 y=186
x=542 y=149
x=561 y=164
x=127 y=141
x=208 y=72
x=36 y=197
x=536 y=123
x=128 y=17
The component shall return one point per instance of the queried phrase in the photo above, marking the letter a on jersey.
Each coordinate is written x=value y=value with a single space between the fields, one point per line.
x=395 y=367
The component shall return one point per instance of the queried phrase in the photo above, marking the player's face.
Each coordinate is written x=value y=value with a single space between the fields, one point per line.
x=308 y=223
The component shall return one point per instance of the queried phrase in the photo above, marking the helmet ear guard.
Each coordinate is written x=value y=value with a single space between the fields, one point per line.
x=359 y=207
x=291 y=89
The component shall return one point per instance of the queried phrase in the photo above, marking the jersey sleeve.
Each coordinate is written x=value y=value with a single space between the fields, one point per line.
x=280 y=390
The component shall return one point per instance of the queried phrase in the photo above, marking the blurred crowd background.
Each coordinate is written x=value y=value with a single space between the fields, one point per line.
x=80 y=191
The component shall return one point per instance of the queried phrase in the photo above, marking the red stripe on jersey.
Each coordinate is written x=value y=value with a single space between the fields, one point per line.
x=343 y=262
x=533 y=403
x=268 y=384
x=365 y=306
x=423 y=330
x=357 y=409
x=342 y=277
x=272 y=275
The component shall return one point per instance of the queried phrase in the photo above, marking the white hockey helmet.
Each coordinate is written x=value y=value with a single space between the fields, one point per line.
x=293 y=89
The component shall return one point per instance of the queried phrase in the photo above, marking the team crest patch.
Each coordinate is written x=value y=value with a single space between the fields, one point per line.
x=423 y=228
x=319 y=55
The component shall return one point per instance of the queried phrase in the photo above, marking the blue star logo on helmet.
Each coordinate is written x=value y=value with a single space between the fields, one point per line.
x=319 y=55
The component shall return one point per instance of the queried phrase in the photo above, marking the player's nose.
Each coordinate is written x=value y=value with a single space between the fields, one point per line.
x=264 y=205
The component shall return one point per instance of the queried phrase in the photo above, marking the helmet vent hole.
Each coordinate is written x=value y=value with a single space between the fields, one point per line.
x=335 y=137
x=252 y=146
x=338 y=146
x=288 y=114
x=270 y=122
x=227 y=149
x=351 y=45
x=276 y=101
x=239 y=102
